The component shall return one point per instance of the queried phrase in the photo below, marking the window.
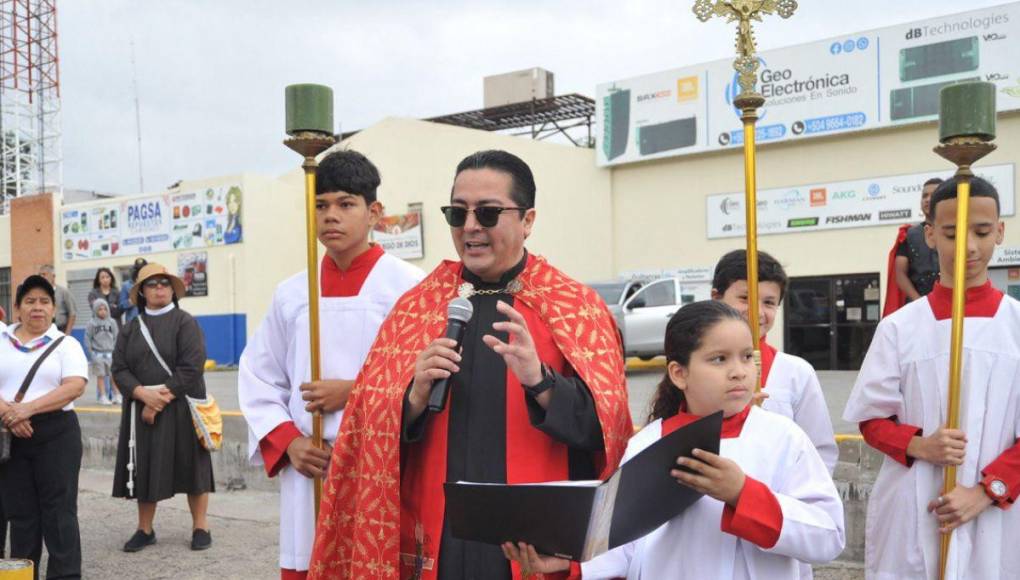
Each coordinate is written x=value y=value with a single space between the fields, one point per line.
x=662 y=293
x=79 y=283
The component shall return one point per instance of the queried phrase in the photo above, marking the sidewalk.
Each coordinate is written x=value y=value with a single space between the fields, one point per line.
x=244 y=530
x=243 y=526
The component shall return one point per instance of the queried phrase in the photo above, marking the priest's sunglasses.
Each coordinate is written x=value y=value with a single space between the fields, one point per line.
x=487 y=215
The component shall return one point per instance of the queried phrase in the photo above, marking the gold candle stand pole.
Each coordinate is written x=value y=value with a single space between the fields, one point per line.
x=962 y=152
x=309 y=144
x=748 y=102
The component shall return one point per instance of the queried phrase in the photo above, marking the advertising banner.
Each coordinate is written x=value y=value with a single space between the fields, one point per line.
x=207 y=218
x=151 y=224
x=859 y=203
x=400 y=235
x=91 y=232
x=146 y=225
x=868 y=80
x=191 y=269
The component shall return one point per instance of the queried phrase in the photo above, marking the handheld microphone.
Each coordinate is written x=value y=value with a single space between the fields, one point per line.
x=458 y=313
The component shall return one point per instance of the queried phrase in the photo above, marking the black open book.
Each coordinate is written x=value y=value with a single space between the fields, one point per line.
x=579 y=520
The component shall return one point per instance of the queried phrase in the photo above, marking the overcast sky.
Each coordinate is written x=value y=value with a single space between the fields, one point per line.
x=211 y=73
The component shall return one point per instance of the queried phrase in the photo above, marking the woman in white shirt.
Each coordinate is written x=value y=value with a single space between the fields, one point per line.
x=39 y=483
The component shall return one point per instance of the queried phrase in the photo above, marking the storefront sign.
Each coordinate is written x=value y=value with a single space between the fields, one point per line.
x=1005 y=256
x=855 y=82
x=401 y=235
x=845 y=204
x=192 y=270
x=152 y=224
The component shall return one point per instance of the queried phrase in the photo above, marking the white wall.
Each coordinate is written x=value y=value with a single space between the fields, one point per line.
x=417 y=160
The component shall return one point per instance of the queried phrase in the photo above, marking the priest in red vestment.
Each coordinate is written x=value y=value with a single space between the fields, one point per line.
x=537 y=393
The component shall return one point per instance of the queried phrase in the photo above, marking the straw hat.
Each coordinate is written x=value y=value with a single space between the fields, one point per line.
x=152 y=270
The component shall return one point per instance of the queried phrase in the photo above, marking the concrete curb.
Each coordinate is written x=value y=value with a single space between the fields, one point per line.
x=636 y=364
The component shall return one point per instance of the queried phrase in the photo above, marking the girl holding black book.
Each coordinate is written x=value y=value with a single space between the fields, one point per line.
x=769 y=500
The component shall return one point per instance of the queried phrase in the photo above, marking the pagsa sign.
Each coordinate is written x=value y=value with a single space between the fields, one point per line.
x=146 y=215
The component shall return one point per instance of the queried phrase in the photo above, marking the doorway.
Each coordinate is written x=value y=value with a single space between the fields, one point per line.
x=830 y=320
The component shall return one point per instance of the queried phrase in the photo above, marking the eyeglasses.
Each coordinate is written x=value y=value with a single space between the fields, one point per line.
x=487 y=215
x=153 y=282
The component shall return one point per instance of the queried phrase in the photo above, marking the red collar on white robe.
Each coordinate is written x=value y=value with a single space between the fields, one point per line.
x=768 y=355
x=981 y=302
x=337 y=283
x=731 y=426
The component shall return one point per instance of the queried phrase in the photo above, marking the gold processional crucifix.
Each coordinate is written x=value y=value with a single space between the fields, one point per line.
x=748 y=102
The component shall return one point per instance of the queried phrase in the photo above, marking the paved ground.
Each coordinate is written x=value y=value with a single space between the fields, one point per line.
x=244 y=538
x=244 y=523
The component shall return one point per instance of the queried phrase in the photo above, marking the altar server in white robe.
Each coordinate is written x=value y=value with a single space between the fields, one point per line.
x=900 y=400
x=769 y=500
x=789 y=383
x=359 y=285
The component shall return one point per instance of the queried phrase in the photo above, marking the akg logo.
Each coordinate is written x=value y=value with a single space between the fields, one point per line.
x=847 y=195
x=729 y=204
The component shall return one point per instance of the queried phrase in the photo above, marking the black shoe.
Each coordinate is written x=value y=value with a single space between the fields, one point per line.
x=201 y=539
x=140 y=540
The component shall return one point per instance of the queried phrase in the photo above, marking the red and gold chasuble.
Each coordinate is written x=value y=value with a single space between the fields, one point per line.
x=372 y=511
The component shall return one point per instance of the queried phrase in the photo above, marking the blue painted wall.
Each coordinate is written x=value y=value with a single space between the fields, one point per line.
x=225 y=336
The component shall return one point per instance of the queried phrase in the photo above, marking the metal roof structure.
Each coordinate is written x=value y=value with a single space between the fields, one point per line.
x=543 y=117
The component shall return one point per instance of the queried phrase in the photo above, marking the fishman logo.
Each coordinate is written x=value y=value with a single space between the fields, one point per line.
x=895 y=214
x=802 y=222
x=848 y=219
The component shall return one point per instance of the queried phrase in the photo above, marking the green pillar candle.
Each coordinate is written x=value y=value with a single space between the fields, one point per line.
x=967 y=110
x=309 y=108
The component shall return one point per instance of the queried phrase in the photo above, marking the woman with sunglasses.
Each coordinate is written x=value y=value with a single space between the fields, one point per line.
x=168 y=458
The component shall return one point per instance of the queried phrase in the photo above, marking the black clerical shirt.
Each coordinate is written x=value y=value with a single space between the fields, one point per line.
x=476 y=441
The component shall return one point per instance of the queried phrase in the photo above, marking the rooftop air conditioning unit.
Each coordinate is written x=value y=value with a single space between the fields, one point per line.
x=518 y=87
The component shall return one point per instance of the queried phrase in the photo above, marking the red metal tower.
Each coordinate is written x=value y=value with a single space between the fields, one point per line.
x=29 y=99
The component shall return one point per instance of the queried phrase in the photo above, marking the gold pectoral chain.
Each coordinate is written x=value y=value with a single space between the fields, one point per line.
x=467 y=289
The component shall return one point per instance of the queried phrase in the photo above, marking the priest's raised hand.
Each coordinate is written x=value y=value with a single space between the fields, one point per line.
x=519 y=353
